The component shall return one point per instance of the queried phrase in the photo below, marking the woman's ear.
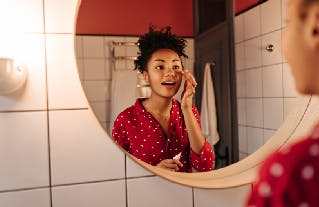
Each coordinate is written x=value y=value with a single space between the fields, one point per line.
x=145 y=75
x=312 y=26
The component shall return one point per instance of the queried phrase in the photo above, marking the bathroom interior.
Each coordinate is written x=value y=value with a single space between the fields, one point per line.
x=55 y=143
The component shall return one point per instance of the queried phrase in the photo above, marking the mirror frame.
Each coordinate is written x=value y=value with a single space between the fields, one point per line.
x=243 y=172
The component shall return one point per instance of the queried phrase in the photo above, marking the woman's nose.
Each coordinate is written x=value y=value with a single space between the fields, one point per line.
x=170 y=72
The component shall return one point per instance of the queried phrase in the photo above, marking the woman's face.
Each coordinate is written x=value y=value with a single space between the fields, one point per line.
x=163 y=74
x=298 y=51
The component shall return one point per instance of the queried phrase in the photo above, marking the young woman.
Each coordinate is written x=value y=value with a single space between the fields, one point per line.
x=290 y=177
x=160 y=130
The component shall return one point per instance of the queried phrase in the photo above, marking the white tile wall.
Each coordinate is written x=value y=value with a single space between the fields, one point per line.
x=99 y=194
x=252 y=27
x=252 y=57
x=29 y=50
x=240 y=56
x=156 y=192
x=24 y=155
x=254 y=83
x=208 y=198
x=254 y=112
x=61 y=68
x=270 y=16
x=273 y=112
x=272 y=81
x=26 y=198
x=239 y=28
x=29 y=20
x=134 y=170
x=273 y=38
x=268 y=93
x=79 y=155
x=255 y=139
x=241 y=84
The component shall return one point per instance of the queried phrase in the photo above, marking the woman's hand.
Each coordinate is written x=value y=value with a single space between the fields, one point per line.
x=170 y=164
x=189 y=90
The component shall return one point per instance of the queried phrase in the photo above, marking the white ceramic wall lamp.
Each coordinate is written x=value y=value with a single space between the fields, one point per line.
x=12 y=76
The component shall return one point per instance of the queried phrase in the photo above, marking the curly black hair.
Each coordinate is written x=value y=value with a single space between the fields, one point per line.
x=155 y=40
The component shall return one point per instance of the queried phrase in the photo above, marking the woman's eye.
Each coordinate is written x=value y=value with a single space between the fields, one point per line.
x=159 y=67
x=176 y=67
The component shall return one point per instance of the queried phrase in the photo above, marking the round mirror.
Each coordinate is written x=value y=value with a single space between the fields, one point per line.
x=264 y=93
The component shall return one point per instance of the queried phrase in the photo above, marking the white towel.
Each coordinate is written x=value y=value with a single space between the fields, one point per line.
x=123 y=92
x=208 y=108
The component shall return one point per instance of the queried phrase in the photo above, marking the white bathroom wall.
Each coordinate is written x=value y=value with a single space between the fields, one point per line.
x=265 y=88
x=53 y=152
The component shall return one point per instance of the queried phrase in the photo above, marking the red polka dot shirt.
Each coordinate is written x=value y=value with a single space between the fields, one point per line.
x=140 y=134
x=290 y=177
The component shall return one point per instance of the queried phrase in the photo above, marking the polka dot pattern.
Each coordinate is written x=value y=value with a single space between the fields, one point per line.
x=138 y=132
x=289 y=177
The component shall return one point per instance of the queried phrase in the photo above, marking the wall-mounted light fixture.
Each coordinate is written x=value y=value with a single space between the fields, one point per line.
x=12 y=76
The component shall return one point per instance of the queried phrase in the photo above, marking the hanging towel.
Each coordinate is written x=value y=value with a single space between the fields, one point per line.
x=123 y=92
x=208 y=108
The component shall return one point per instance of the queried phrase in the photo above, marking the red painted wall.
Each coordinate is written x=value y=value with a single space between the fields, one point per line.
x=132 y=17
x=241 y=5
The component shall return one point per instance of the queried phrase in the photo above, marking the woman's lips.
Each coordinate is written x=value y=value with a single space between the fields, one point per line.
x=168 y=83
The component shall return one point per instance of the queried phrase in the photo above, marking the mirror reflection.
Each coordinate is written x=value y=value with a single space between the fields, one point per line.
x=248 y=110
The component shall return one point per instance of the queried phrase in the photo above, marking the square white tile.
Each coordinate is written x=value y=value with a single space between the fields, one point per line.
x=253 y=83
x=24 y=155
x=81 y=150
x=252 y=22
x=97 y=90
x=26 y=198
x=239 y=28
x=255 y=139
x=241 y=84
x=157 y=192
x=241 y=111
x=272 y=81
x=93 y=47
x=99 y=108
x=29 y=50
x=26 y=16
x=270 y=16
x=64 y=86
x=60 y=16
x=135 y=170
x=253 y=51
x=100 y=194
x=242 y=138
x=273 y=112
x=221 y=197
x=274 y=57
x=240 y=56
x=254 y=112
x=94 y=69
